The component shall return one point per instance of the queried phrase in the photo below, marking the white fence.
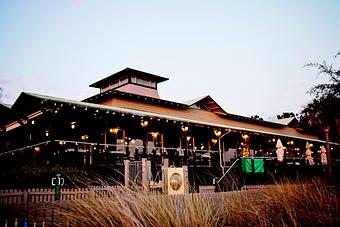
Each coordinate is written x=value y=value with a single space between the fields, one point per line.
x=17 y=196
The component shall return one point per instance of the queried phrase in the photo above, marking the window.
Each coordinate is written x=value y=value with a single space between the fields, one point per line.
x=153 y=84
x=114 y=84
x=143 y=82
x=104 y=88
x=123 y=81
x=133 y=79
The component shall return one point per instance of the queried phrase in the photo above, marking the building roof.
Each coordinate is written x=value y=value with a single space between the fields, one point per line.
x=98 y=98
x=206 y=102
x=128 y=72
x=285 y=121
x=189 y=115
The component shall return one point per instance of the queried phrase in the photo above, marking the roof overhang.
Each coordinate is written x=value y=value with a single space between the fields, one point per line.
x=37 y=100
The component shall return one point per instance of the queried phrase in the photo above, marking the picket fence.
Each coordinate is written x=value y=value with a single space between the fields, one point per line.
x=35 y=195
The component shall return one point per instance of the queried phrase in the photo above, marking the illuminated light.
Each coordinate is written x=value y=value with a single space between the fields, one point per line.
x=214 y=141
x=126 y=143
x=298 y=153
x=107 y=112
x=184 y=128
x=245 y=136
x=133 y=141
x=85 y=108
x=202 y=147
x=284 y=148
x=273 y=140
x=73 y=125
x=94 y=148
x=154 y=134
x=332 y=148
x=61 y=142
x=122 y=115
x=311 y=145
x=84 y=137
x=195 y=148
x=74 y=107
x=56 y=111
x=114 y=130
x=217 y=133
x=97 y=110
x=46 y=133
x=144 y=123
x=32 y=122
x=37 y=149
x=188 y=138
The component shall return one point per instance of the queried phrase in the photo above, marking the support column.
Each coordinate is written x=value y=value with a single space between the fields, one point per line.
x=90 y=156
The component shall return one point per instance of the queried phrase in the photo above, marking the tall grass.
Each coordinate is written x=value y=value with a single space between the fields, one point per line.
x=278 y=205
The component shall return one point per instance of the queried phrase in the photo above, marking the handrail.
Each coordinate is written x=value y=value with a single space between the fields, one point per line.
x=228 y=170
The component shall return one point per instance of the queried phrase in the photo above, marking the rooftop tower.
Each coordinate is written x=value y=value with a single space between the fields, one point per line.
x=131 y=81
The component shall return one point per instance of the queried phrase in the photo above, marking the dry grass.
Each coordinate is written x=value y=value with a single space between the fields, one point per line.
x=279 y=205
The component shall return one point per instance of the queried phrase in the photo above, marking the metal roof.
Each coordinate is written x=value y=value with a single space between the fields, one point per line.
x=187 y=118
x=128 y=72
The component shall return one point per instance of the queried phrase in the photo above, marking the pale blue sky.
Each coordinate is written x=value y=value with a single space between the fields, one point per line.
x=248 y=55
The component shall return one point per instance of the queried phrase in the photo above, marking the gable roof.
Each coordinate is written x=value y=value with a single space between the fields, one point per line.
x=285 y=121
x=206 y=102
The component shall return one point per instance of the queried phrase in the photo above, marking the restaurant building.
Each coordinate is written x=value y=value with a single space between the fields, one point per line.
x=127 y=119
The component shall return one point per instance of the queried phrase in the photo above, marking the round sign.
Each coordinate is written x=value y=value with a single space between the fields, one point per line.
x=175 y=181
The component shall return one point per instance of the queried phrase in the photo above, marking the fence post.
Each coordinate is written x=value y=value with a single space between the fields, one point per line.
x=186 y=179
x=25 y=199
x=165 y=176
x=126 y=172
x=145 y=173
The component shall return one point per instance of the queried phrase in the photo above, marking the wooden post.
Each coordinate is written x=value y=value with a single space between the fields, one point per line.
x=186 y=179
x=209 y=152
x=145 y=173
x=165 y=176
x=126 y=173
x=180 y=144
x=105 y=140
x=85 y=154
x=90 y=156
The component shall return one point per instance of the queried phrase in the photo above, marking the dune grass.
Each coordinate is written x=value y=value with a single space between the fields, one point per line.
x=284 y=204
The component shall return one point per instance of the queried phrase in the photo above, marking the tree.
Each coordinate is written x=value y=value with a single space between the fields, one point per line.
x=1 y=93
x=256 y=117
x=320 y=112
x=332 y=88
x=285 y=115
x=324 y=110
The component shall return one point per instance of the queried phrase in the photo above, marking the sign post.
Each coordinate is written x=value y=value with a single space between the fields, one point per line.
x=57 y=182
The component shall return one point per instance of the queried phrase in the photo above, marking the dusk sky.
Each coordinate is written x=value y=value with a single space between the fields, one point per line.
x=247 y=55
